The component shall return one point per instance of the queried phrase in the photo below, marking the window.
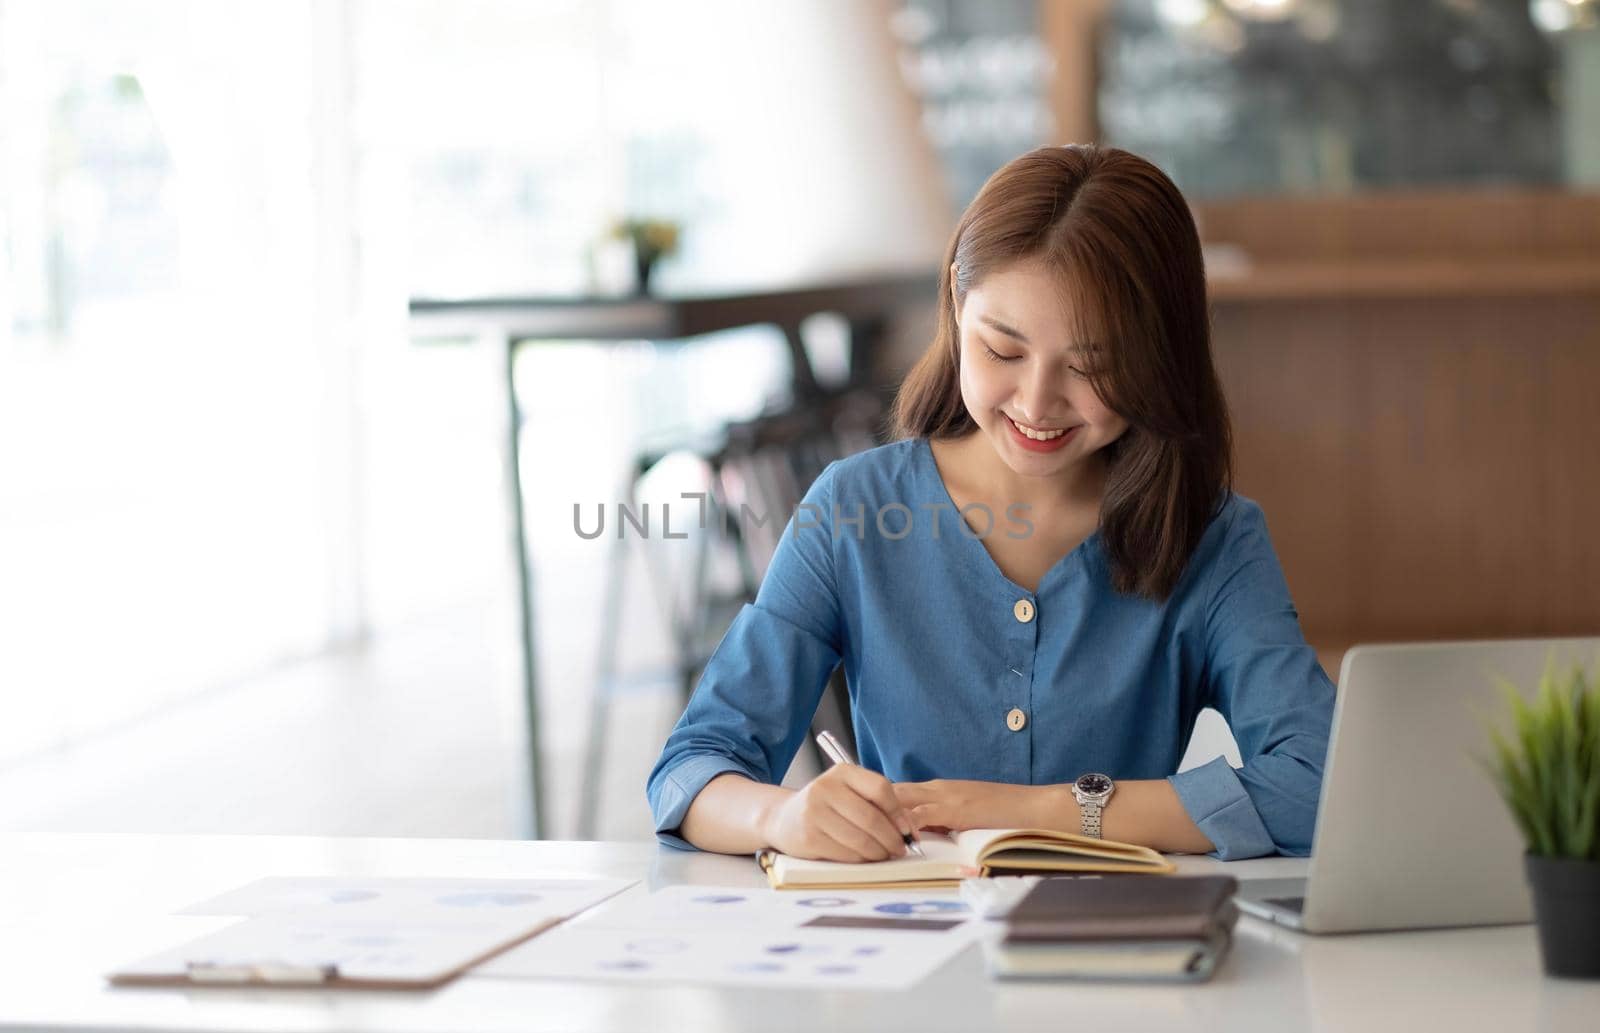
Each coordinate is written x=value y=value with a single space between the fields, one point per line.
x=162 y=376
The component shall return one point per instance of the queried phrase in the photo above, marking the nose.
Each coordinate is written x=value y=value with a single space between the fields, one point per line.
x=1040 y=397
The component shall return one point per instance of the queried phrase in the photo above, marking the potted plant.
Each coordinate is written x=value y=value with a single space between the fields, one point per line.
x=1548 y=772
x=653 y=240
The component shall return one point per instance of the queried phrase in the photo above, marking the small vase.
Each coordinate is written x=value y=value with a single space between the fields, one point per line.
x=1566 y=904
x=644 y=264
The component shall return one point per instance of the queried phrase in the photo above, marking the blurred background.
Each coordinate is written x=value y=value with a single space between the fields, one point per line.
x=328 y=328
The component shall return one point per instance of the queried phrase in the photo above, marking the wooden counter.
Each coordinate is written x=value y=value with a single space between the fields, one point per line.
x=1417 y=407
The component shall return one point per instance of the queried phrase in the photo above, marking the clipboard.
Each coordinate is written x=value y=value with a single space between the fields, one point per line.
x=216 y=960
x=378 y=933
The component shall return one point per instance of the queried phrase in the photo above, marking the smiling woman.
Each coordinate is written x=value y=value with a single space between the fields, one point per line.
x=1091 y=307
x=1048 y=680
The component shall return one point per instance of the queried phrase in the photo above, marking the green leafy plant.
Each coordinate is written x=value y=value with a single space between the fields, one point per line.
x=1548 y=769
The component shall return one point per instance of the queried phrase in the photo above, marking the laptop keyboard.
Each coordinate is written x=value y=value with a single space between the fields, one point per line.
x=1295 y=904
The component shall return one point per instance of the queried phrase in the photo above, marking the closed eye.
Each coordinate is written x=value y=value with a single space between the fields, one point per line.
x=995 y=356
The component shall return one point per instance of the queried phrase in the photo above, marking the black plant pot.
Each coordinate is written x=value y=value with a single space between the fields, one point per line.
x=1566 y=904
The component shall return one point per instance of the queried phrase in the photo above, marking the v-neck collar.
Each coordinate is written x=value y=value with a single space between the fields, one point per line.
x=925 y=451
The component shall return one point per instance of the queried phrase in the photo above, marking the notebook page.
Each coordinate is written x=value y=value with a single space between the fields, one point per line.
x=944 y=861
x=973 y=842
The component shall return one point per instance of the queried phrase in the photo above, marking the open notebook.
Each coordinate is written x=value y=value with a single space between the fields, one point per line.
x=951 y=857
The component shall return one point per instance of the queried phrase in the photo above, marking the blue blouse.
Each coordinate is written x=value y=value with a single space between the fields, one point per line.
x=878 y=570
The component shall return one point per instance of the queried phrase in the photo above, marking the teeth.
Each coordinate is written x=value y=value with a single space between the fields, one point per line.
x=1038 y=435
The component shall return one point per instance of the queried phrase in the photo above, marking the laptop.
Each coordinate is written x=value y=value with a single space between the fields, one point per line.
x=1411 y=833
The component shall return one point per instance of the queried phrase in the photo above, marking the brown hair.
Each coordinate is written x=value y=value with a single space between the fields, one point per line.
x=1118 y=232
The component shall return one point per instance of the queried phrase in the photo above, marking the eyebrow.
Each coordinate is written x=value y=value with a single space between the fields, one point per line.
x=1009 y=331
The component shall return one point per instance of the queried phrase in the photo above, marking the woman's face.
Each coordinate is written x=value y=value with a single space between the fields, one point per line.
x=1022 y=374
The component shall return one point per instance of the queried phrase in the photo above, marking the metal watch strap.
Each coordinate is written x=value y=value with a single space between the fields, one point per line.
x=1091 y=819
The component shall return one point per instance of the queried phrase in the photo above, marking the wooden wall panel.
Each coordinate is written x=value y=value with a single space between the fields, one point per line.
x=1429 y=469
x=1289 y=386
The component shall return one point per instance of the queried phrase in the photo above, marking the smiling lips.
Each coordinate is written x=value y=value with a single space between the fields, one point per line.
x=1036 y=440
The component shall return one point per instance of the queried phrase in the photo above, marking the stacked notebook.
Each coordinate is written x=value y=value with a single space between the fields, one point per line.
x=1118 y=928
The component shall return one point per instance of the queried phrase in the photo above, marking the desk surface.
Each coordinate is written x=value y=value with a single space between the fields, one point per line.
x=73 y=907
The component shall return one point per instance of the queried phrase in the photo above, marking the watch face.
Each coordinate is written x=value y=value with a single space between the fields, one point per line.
x=1094 y=785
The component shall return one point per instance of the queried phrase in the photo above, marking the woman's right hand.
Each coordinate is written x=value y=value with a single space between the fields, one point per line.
x=847 y=813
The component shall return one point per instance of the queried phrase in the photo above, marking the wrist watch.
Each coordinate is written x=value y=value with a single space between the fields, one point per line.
x=1092 y=791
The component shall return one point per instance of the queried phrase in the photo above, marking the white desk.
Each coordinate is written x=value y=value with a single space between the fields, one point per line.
x=73 y=907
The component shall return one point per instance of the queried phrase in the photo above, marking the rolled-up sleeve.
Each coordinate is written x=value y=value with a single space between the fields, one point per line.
x=754 y=703
x=1265 y=680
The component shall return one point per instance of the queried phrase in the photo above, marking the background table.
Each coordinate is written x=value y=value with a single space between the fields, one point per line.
x=508 y=323
x=73 y=907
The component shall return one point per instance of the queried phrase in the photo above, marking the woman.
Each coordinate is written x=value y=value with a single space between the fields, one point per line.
x=1037 y=590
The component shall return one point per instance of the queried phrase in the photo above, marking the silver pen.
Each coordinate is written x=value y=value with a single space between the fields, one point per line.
x=837 y=753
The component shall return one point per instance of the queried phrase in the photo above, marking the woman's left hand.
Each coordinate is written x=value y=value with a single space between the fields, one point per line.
x=956 y=804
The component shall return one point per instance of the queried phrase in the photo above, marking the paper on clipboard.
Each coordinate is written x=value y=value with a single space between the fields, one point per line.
x=437 y=900
x=284 y=949
x=379 y=933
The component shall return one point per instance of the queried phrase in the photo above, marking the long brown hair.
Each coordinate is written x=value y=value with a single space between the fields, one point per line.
x=1120 y=236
